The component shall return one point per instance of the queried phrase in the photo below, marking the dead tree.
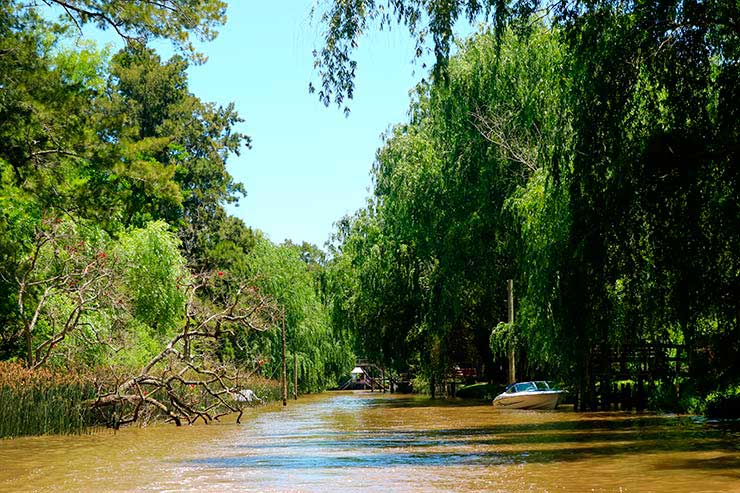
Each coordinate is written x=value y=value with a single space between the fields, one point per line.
x=185 y=382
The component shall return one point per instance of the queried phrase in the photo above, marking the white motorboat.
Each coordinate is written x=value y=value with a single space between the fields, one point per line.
x=528 y=395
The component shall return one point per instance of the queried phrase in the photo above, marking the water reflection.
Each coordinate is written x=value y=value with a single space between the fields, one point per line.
x=375 y=442
x=356 y=460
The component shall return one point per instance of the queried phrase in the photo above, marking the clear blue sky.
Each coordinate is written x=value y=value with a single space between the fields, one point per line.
x=309 y=164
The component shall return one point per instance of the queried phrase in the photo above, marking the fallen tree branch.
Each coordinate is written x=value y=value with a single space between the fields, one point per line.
x=185 y=387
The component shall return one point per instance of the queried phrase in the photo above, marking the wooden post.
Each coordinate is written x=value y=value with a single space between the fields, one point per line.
x=512 y=365
x=295 y=376
x=285 y=368
x=615 y=397
x=577 y=400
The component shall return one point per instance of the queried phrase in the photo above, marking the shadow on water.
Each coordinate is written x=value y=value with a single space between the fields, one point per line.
x=629 y=440
x=422 y=402
x=725 y=466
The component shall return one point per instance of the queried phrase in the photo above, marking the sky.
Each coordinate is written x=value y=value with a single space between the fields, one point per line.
x=309 y=165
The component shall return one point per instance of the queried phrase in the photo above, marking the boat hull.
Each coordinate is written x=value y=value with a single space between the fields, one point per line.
x=528 y=400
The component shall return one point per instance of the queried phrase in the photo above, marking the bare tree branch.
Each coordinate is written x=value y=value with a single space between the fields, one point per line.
x=169 y=381
x=498 y=130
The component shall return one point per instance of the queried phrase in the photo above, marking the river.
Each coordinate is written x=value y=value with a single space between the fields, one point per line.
x=378 y=442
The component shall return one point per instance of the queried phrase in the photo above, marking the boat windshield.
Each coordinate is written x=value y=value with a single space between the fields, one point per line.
x=525 y=387
x=528 y=387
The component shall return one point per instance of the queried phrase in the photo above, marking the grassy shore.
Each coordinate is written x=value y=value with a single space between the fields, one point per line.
x=51 y=402
x=42 y=402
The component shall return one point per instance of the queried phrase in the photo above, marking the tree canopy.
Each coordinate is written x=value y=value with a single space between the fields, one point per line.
x=140 y=21
x=586 y=151
x=431 y=25
x=116 y=250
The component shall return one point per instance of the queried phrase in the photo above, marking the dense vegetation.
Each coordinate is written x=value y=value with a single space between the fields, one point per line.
x=116 y=252
x=587 y=150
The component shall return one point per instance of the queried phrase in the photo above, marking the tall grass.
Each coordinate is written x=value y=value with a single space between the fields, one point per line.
x=264 y=388
x=42 y=402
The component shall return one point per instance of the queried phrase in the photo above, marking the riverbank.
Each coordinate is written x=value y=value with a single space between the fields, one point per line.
x=58 y=402
x=361 y=441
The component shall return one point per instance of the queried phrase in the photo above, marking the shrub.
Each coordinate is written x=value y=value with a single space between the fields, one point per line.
x=266 y=389
x=724 y=404
x=485 y=391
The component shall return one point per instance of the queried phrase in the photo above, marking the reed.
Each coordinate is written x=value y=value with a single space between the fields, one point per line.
x=264 y=388
x=42 y=401
x=45 y=402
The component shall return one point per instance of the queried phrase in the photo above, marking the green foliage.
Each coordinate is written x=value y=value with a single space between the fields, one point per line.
x=485 y=391
x=119 y=140
x=111 y=143
x=113 y=187
x=725 y=404
x=154 y=276
x=503 y=338
x=142 y=21
x=588 y=158
x=432 y=252
x=169 y=149
x=323 y=354
x=346 y=23
x=680 y=396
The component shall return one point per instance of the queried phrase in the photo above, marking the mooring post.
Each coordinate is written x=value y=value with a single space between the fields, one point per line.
x=285 y=368
x=512 y=365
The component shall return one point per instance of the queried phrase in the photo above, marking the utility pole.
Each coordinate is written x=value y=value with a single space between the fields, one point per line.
x=512 y=366
x=285 y=368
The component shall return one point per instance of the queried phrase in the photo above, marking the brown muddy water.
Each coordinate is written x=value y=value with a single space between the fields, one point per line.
x=373 y=442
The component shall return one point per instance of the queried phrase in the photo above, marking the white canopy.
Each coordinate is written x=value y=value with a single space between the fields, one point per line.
x=357 y=371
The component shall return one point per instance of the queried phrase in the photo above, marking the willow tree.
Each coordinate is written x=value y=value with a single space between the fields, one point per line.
x=433 y=250
x=322 y=352
x=628 y=226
